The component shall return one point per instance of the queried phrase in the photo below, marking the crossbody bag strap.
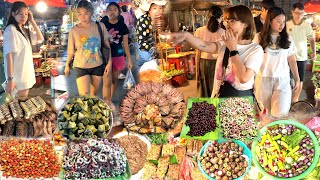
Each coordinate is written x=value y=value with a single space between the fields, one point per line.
x=225 y=60
x=101 y=35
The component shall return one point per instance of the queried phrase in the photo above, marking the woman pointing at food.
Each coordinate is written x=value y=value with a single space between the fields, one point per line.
x=239 y=59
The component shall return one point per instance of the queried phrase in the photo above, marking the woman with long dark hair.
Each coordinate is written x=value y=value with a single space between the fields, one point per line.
x=17 y=49
x=206 y=62
x=272 y=84
x=239 y=59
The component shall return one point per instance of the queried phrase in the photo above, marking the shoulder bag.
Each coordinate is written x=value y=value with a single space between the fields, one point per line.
x=105 y=51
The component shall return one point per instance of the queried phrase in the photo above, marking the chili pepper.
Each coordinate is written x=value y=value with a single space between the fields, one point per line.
x=258 y=151
x=294 y=150
x=265 y=158
x=277 y=137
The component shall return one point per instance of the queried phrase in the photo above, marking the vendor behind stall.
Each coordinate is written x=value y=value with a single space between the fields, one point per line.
x=146 y=29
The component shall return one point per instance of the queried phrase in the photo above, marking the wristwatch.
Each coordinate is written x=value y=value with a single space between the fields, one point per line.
x=233 y=53
x=9 y=78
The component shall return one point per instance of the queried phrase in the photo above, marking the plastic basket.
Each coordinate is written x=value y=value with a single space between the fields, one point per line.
x=246 y=152
x=300 y=126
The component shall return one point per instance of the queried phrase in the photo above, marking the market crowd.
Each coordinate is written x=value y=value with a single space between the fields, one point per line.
x=264 y=57
x=237 y=54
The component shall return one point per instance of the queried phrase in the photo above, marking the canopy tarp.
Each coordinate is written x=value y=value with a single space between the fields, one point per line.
x=50 y=3
x=312 y=6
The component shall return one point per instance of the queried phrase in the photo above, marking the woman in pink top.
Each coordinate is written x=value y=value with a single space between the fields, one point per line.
x=206 y=62
x=128 y=19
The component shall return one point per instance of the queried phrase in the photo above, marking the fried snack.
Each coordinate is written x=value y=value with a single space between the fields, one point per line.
x=154 y=152
x=163 y=166
x=197 y=146
x=196 y=173
x=148 y=170
x=150 y=75
x=180 y=152
x=190 y=146
x=173 y=172
x=167 y=149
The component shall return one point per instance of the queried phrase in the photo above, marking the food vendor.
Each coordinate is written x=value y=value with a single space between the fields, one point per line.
x=146 y=29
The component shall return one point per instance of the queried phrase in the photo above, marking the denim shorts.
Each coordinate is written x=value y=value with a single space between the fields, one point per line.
x=144 y=56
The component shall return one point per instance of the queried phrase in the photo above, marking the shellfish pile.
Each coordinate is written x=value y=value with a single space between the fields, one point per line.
x=152 y=107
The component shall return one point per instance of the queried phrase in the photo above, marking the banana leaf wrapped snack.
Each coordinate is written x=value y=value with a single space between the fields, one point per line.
x=85 y=117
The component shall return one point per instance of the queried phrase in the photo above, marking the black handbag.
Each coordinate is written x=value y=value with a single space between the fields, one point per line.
x=226 y=89
x=105 y=51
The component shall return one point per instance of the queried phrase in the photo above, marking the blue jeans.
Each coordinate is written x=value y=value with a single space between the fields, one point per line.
x=144 y=56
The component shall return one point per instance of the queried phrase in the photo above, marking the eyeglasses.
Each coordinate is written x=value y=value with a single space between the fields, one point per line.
x=226 y=21
x=299 y=13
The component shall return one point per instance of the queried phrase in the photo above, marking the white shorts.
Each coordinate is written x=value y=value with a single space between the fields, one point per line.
x=275 y=94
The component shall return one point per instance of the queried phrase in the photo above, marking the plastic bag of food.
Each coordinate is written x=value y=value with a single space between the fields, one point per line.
x=129 y=81
x=314 y=125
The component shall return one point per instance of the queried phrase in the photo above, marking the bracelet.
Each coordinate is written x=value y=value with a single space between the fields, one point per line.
x=9 y=78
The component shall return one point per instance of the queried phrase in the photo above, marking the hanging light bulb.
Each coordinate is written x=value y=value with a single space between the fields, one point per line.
x=41 y=7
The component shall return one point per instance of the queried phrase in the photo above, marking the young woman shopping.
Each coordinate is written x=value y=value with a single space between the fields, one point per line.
x=84 y=45
x=118 y=39
x=17 y=49
x=239 y=59
x=272 y=84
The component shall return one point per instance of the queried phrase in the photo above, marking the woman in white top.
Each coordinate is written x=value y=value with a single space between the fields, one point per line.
x=272 y=85
x=206 y=62
x=17 y=49
x=236 y=69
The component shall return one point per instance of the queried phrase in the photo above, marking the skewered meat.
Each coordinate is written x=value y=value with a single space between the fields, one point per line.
x=156 y=88
x=127 y=117
x=163 y=101
x=4 y=109
x=8 y=128
x=152 y=107
x=21 y=129
x=138 y=108
x=140 y=89
x=164 y=110
x=16 y=110
x=175 y=96
x=166 y=89
x=177 y=108
x=133 y=95
x=167 y=120
x=142 y=101
x=30 y=129
x=126 y=109
x=127 y=102
x=147 y=87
